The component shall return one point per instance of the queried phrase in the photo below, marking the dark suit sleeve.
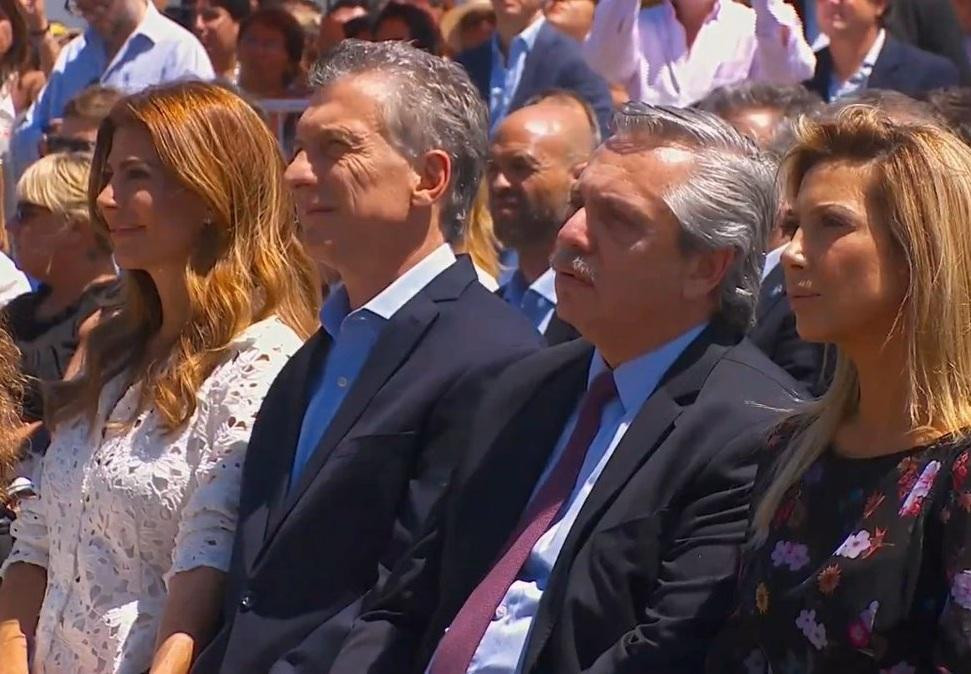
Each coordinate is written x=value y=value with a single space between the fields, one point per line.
x=696 y=578
x=940 y=74
x=450 y=429
x=593 y=88
x=931 y=25
x=802 y=360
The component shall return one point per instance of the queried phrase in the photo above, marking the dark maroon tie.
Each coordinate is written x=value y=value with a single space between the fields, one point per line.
x=455 y=650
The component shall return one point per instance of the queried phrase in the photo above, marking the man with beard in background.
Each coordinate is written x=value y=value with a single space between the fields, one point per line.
x=533 y=161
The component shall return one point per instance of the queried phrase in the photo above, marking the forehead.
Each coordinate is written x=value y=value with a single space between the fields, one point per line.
x=352 y=103
x=642 y=175
x=835 y=182
x=132 y=140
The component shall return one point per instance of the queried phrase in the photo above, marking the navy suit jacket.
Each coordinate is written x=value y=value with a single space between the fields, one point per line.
x=646 y=574
x=555 y=62
x=900 y=67
x=305 y=556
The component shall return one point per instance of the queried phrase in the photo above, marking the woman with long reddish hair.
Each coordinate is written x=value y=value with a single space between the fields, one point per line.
x=120 y=562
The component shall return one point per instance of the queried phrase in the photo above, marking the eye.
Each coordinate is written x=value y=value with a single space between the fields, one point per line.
x=789 y=225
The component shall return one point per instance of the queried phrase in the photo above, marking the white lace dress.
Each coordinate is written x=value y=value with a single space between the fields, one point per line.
x=120 y=512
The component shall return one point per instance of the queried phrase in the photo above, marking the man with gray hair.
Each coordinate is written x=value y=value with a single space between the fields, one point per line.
x=596 y=521
x=357 y=439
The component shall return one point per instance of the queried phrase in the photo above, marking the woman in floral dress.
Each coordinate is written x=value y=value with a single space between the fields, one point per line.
x=860 y=555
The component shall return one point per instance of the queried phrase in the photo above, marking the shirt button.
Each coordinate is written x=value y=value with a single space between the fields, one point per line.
x=342 y=382
x=246 y=603
x=501 y=611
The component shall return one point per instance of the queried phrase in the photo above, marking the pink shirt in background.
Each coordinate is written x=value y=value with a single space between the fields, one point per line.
x=646 y=49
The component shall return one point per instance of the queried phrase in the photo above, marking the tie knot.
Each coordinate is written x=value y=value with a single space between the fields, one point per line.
x=602 y=390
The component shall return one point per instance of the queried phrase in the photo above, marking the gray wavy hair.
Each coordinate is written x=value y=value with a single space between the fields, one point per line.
x=430 y=104
x=730 y=200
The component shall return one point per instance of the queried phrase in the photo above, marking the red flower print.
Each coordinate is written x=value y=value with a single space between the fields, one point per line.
x=965 y=501
x=959 y=471
x=908 y=477
x=872 y=503
x=876 y=542
x=829 y=579
x=784 y=511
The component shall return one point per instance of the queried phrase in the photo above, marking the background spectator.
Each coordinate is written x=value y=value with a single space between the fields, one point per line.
x=83 y=114
x=308 y=15
x=270 y=55
x=527 y=56
x=332 y=26
x=861 y=54
x=953 y=106
x=478 y=240
x=128 y=45
x=676 y=51
x=216 y=24
x=10 y=383
x=408 y=23
x=28 y=82
x=43 y=38
x=573 y=17
x=468 y=25
x=55 y=242
x=931 y=25
x=13 y=52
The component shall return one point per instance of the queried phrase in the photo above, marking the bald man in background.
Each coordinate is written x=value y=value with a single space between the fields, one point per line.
x=532 y=166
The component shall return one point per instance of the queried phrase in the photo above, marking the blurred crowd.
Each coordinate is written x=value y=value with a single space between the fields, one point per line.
x=487 y=337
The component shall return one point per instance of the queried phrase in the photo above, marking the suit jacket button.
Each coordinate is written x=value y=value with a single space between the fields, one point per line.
x=246 y=603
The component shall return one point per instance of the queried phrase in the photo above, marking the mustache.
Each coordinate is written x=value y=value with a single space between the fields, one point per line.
x=572 y=260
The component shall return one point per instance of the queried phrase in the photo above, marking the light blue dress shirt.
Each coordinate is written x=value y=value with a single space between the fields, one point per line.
x=506 y=73
x=502 y=646
x=159 y=51
x=537 y=300
x=355 y=334
x=861 y=78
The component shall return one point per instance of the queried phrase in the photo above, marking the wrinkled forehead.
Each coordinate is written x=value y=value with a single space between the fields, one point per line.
x=638 y=170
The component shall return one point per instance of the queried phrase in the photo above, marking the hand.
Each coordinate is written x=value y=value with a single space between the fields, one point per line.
x=35 y=13
x=13 y=650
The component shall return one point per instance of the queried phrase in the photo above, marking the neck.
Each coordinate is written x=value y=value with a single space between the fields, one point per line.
x=507 y=28
x=534 y=260
x=631 y=338
x=121 y=30
x=692 y=15
x=174 y=298
x=849 y=51
x=883 y=413
x=224 y=65
x=73 y=280
x=364 y=283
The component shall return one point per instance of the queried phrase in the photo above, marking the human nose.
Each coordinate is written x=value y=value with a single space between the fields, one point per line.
x=794 y=255
x=299 y=172
x=575 y=232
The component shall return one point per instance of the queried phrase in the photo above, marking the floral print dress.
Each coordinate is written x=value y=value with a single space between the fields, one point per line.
x=866 y=569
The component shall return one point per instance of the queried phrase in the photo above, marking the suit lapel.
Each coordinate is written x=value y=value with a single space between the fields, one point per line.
x=650 y=427
x=398 y=339
x=824 y=70
x=559 y=331
x=281 y=417
x=884 y=75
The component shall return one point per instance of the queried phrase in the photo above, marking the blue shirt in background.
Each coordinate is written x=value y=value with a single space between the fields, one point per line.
x=159 y=51
x=537 y=300
x=506 y=73
x=354 y=334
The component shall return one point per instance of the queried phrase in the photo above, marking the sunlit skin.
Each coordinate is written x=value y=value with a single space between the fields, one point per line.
x=532 y=161
x=218 y=32
x=332 y=26
x=153 y=221
x=573 y=17
x=367 y=212
x=852 y=27
x=263 y=60
x=844 y=275
x=759 y=124
x=643 y=289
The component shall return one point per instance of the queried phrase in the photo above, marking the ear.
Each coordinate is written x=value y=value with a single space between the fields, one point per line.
x=705 y=271
x=434 y=172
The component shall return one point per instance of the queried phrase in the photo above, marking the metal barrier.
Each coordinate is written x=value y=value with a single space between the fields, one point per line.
x=278 y=112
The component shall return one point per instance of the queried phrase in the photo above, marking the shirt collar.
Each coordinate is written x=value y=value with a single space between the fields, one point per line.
x=545 y=285
x=387 y=302
x=527 y=38
x=636 y=379
x=772 y=259
x=153 y=26
x=871 y=57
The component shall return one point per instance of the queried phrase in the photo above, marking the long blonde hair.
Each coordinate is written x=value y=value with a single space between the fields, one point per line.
x=248 y=264
x=478 y=237
x=922 y=189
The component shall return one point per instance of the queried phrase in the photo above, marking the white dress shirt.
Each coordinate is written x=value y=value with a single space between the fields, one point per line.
x=861 y=78
x=646 y=50
x=13 y=282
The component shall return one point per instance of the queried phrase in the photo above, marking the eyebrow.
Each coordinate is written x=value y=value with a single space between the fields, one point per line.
x=328 y=133
x=830 y=207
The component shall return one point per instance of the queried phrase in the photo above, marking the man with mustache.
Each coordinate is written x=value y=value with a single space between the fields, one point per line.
x=595 y=521
x=532 y=163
